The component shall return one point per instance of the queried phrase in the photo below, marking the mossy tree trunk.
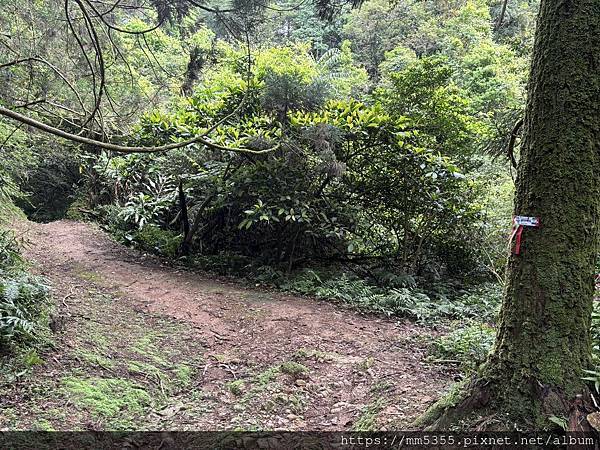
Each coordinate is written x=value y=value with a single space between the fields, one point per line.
x=543 y=344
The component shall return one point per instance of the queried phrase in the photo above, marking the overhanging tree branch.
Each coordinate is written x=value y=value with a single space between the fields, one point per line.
x=123 y=148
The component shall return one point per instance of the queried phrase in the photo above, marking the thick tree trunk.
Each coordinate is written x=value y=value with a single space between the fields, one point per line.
x=543 y=343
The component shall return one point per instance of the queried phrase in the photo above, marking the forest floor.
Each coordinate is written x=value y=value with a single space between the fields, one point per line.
x=143 y=345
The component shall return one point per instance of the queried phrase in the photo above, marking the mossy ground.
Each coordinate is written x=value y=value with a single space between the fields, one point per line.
x=115 y=368
x=114 y=371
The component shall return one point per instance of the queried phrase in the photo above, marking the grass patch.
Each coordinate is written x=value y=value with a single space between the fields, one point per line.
x=366 y=364
x=113 y=366
x=310 y=353
x=42 y=425
x=147 y=346
x=293 y=369
x=381 y=387
x=94 y=358
x=236 y=387
x=142 y=368
x=266 y=376
x=87 y=275
x=184 y=374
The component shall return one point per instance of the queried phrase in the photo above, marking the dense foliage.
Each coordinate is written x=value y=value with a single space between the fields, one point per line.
x=377 y=168
x=362 y=181
x=23 y=297
x=381 y=184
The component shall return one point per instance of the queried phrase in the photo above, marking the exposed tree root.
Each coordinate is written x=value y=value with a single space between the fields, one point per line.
x=482 y=404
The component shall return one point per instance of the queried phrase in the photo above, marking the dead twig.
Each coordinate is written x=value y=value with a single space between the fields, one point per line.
x=160 y=385
x=70 y=294
x=229 y=369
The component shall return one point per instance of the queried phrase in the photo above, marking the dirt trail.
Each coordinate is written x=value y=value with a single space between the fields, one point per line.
x=188 y=352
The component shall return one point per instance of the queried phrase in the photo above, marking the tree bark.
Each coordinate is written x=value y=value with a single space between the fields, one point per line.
x=184 y=248
x=543 y=344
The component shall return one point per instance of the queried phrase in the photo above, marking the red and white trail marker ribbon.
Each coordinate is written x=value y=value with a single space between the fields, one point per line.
x=519 y=222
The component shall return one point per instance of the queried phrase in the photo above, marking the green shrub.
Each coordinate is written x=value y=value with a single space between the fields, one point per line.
x=23 y=300
x=79 y=209
x=236 y=387
x=348 y=180
x=269 y=275
x=358 y=293
x=593 y=375
x=23 y=297
x=49 y=184
x=10 y=259
x=468 y=346
x=305 y=282
x=15 y=157
x=224 y=263
x=482 y=302
x=406 y=299
x=156 y=240
x=293 y=369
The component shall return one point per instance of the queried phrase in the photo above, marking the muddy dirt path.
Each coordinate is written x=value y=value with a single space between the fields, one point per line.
x=146 y=346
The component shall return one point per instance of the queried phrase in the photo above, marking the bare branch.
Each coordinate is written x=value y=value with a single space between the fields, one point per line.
x=54 y=69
